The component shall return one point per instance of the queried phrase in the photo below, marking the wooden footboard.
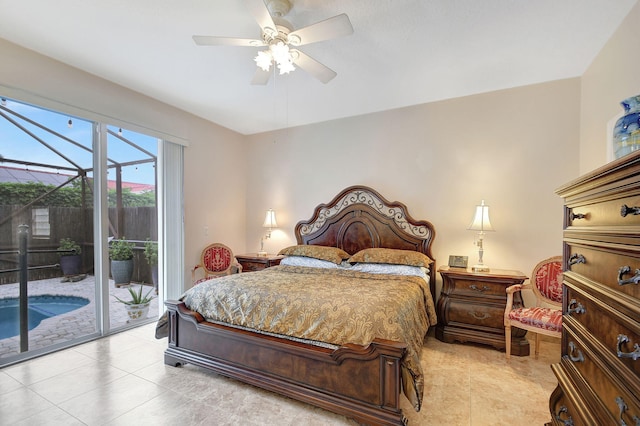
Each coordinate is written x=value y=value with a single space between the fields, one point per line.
x=360 y=382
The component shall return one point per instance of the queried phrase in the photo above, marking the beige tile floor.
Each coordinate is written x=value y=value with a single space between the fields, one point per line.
x=122 y=380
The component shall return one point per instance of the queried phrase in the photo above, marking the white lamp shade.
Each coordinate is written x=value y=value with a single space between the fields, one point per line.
x=270 y=219
x=481 y=220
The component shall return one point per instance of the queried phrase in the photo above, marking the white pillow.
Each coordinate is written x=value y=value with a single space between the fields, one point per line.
x=308 y=262
x=387 y=268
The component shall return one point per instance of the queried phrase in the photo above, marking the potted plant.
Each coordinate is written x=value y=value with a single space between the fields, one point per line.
x=121 y=255
x=70 y=259
x=138 y=306
x=151 y=254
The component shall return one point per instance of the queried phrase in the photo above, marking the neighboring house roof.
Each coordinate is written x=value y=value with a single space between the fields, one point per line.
x=17 y=175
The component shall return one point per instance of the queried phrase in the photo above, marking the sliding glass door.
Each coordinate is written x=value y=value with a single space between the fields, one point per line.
x=54 y=290
x=133 y=224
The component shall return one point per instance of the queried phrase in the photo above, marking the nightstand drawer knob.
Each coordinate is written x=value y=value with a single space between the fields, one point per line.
x=574 y=307
x=622 y=339
x=476 y=288
x=626 y=210
x=576 y=258
x=625 y=270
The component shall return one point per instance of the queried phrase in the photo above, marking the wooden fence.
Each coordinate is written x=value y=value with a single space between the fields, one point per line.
x=138 y=224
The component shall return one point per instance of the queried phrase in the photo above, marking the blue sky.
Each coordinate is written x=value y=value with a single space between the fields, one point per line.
x=17 y=145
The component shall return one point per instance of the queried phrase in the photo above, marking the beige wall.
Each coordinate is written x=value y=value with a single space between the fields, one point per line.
x=612 y=77
x=511 y=148
x=215 y=171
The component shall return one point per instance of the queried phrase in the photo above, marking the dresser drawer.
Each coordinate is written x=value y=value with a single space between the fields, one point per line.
x=607 y=326
x=619 y=401
x=563 y=410
x=569 y=407
x=603 y=265
x=617 y=212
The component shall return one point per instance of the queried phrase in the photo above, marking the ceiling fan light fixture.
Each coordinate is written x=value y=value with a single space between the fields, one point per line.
x=263 y=60
x=281 y=55
x=280 y=52
x=286 y=67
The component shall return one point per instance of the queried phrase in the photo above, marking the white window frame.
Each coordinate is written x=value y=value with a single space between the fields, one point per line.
x=40 y=224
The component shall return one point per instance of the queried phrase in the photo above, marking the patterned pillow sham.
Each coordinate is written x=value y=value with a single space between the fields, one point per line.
x=393 y=256
x=309 y=262
x=386 y=268
x=332 y=254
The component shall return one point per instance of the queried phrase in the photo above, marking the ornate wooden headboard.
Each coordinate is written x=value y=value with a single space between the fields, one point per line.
x=359 y=217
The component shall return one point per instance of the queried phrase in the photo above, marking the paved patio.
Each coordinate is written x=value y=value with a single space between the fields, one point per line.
x=71 y=325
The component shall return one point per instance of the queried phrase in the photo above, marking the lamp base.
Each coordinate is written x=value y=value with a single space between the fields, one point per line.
x=262 y=253
x=480 y=268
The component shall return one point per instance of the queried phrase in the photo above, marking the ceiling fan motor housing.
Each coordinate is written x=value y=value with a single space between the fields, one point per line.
x=278 y=8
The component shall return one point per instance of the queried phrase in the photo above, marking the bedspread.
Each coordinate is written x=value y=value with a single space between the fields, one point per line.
x=336 y=306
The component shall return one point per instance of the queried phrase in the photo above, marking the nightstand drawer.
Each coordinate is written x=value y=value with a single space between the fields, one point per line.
x=478 y=289
x=248 y=266
x=254 y=262
x=474 y=314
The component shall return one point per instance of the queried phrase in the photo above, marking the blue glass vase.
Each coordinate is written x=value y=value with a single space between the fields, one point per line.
x=626 y=133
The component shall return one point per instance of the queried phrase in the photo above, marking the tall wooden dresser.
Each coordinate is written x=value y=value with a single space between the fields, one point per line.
x=599 y=372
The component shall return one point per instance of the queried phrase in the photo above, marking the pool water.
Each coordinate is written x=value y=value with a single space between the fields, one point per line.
x=40 y=308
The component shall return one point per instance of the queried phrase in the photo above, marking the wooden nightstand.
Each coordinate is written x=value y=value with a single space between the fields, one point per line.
x=471 y=308
x=252 y=262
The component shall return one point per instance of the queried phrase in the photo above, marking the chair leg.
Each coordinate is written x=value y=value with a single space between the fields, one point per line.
x=537 y=344
x=507 y=340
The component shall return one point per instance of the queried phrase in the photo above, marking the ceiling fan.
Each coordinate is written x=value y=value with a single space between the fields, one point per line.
x=282 y=40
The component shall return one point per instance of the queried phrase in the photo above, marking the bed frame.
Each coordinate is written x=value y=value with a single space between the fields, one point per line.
x=360 y=382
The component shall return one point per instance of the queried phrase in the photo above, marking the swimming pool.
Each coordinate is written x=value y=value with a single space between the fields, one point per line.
x=40 y=308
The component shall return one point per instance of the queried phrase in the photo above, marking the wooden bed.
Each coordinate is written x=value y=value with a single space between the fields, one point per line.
x=360 y=382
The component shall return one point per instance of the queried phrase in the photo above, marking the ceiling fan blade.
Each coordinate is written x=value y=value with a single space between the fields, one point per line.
x=261 y=76
x=337 y=26
x=226 y=41
x=313 y=67
x=261 y=14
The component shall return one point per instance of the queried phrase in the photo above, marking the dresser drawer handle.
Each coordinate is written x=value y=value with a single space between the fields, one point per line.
x=622 y=406
x=576 y=258
x=572 y=349
x=476 y=288
x=480 y=315
x=563 y=410
x=574 y=307
x=625 y=270
x=626 y=210
x=622 y=339
x=575 y=216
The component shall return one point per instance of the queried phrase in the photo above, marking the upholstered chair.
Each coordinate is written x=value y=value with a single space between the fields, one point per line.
x=546 y=316
x=216 y=260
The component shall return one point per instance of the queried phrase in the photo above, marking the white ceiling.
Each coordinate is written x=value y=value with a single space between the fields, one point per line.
x=402 y=52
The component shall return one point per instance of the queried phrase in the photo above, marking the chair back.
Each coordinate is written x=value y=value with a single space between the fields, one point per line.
x=546 y=280
x=216 y=258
